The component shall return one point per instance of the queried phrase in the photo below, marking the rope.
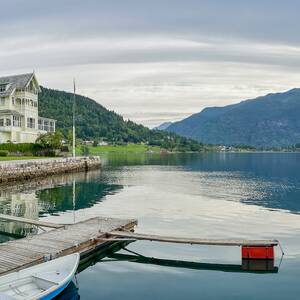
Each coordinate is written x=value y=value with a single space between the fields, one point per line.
x=281 y=259
x=282 y=252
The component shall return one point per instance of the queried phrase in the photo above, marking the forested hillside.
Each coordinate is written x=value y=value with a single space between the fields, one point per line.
x=93 y=121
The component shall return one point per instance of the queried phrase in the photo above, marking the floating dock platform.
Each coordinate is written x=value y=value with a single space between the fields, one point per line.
x=251 y=249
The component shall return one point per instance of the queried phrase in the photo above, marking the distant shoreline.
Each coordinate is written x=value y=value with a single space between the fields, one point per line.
x=146 y=149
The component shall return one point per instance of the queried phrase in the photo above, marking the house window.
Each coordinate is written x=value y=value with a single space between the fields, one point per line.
x=1 y=122
x=13 y=101
x=8 y=122
x=51 y=126
x=16 y=121
x=30 y=123
x=2 y=87
x=46 y=125
x=40 y=122
x=2 y=101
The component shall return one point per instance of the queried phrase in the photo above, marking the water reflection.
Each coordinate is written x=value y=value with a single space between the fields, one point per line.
x=70 y=293
x=48 y=196
x=117 y=253
x=20 y=205
x=270 y=180
x=87 y=193
x=250 y=266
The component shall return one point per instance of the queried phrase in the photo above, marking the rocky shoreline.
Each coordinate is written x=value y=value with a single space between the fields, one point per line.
x=11 y=171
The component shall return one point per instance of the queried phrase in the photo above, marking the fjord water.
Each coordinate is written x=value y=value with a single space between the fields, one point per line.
x=213 y=195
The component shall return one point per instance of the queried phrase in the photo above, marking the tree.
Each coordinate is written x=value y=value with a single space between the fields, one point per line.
x=85 y=150
x=95 y=143
x=50 y=140
x=70 y=137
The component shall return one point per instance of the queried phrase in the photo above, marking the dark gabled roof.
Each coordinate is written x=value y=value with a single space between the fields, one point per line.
x=15 y=82
x=8 y=91
x=19 y=81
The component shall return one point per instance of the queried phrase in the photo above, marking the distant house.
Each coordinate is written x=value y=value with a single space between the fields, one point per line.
x=19 y=118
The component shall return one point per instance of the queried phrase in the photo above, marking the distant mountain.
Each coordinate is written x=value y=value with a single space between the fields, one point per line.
x=163 y=126
x=93 y=121
x=269 y=121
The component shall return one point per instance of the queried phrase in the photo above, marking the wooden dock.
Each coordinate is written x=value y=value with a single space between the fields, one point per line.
x=82 y=237
x=86 y=236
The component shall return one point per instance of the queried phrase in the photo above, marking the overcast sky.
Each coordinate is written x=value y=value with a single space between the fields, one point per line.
x=159 y=60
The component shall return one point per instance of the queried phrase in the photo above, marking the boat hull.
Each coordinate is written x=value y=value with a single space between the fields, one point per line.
x=56 y=292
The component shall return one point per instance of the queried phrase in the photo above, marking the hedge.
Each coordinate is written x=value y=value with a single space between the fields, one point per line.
x=21 y=148
x=4 y=153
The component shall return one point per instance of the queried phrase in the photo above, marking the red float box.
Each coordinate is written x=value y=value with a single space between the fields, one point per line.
x=257 y=252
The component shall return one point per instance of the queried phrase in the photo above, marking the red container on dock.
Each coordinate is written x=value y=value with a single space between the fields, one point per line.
x=257 y=252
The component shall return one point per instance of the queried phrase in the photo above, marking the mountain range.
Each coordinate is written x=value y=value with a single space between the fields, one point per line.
x=268 y=121
x=163 y=126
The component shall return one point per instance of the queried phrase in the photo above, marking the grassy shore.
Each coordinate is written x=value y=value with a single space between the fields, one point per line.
x=4 y=158
x=130 y=148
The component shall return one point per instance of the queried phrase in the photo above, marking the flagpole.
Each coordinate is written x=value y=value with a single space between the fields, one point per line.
x=74 y=103
x=74 y=200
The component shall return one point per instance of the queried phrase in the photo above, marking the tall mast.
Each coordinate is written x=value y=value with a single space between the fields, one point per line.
x=74 y=106
x=74 y=200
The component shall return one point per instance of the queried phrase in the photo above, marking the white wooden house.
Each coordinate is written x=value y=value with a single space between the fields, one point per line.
x=19 y=118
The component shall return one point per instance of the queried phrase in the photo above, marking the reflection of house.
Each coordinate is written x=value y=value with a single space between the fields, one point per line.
x=25 y=205
x=20 y=205
x=19 y=119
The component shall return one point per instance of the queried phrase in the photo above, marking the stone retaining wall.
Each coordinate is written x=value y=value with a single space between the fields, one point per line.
x=24 y=170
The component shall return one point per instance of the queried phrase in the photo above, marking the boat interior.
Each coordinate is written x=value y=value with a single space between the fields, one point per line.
x=28 y=287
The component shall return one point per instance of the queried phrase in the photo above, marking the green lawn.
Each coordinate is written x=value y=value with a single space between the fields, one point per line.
x=3 y=158
x=130 y=148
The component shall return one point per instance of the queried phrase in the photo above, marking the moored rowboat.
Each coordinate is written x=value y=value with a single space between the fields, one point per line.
x=43 y=281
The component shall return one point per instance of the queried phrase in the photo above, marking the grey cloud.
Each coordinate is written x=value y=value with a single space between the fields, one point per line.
x=264 y=20
x=138 y=55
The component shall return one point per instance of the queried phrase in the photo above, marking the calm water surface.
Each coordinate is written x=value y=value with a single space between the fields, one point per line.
x=222 y=195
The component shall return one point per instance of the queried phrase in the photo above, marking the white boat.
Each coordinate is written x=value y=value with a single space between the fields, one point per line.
x=43 y=281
